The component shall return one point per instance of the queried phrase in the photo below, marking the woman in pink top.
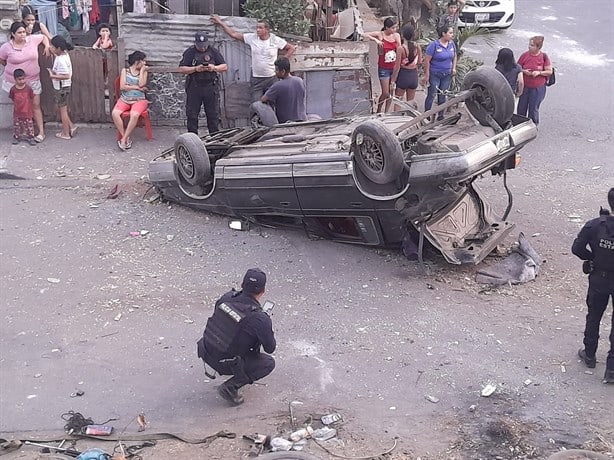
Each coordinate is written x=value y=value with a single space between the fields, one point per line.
x=21 y=52
x=536 y=68
x=388 y=44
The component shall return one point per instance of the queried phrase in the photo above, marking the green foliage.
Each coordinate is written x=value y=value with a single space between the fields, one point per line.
x=284 y=16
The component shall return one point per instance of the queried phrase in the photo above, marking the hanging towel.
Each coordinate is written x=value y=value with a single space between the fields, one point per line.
x=47 y=14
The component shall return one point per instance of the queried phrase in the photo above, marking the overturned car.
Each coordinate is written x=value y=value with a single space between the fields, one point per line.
x=367 y=179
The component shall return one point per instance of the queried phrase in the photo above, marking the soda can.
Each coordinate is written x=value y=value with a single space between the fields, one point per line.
x=98 y=430
x=331 y=418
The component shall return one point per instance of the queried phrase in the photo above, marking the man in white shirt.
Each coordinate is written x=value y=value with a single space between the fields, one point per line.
x=264 y=46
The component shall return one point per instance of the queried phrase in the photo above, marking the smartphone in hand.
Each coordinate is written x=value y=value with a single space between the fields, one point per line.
x=267 y=307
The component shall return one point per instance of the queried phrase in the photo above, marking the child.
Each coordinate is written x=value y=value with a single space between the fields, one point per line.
x=61 y=76
x=104 y=38
x=23 y=108
x=104 y=43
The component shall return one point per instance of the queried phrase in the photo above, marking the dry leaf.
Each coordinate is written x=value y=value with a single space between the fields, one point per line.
x=142 y=421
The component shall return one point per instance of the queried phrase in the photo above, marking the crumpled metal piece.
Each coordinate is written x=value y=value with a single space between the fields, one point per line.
x=520 y=266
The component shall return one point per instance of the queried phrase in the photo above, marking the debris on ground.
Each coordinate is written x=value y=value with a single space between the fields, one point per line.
x=521 y=266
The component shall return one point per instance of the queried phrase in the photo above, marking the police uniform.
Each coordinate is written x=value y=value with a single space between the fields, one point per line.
x=598 y=235
x=202 y=87
x=234 y=335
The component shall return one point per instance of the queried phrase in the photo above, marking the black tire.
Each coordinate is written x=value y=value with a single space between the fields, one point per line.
x=192 y=159
x=261 y=114
x=377 y=152
x=494 y=97
x=291 y=455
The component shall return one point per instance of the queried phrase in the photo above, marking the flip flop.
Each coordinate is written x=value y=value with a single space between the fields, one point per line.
x=39 y=138
x=122 y=147
x=129 y=143
x=73 y=131
x=61 y=136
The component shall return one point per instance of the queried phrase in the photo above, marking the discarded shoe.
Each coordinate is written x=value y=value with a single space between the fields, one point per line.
x=590 y=362
x=230 y=394
x=608 y=377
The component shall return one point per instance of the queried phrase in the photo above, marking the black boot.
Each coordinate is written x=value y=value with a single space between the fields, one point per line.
x=608 y=377
x=229 y=390
x=590 y=362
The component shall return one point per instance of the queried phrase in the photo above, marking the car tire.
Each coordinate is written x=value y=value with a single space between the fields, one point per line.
x=494 y=97
x=192 y=159
x=261 y=114
x=377 y=152
x=288 y=456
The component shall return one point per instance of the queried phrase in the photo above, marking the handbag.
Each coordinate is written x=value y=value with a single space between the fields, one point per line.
x=552 y=78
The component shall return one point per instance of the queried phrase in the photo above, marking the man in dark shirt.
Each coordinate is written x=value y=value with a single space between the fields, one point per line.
x=234 y=334
x=287 y=94
x=201 y=64
x=595 y=245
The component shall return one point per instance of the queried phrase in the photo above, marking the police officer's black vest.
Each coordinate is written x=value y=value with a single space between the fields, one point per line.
x=202 y=78
x=603 y=249
x=223 y=326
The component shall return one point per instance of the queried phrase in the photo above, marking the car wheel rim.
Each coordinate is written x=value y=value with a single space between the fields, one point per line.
x=486 y=99
x=256 y=122
x=186 y=165
x=372 y=154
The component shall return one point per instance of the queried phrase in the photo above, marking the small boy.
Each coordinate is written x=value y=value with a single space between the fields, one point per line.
x=104 y=38
x=23 y=108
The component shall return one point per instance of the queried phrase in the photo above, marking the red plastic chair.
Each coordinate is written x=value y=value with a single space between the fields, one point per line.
x=143 y=119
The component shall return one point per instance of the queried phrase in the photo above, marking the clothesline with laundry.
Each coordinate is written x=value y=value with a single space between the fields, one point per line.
x=88 y=11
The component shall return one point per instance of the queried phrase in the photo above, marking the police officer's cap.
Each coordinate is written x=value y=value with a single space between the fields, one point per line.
x=254 y=281
x=201 y=39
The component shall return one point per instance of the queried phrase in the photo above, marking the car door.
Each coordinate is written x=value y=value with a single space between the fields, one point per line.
x=332 y=206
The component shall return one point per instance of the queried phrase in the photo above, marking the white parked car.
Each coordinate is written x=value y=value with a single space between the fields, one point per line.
x=488 y=13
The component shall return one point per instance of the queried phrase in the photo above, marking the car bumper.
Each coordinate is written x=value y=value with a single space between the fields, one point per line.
x=490 y=19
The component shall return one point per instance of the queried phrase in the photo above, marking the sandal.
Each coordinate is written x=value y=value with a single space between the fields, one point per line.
x=39 y=138
x=61 y=136
x=15 y=141
x=121 y=146
x=73 y=131
x=129 y=143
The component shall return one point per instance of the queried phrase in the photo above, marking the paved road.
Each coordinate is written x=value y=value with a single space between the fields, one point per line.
x=359 y=329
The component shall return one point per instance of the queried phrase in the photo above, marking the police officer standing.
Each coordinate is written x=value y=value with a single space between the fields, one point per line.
x=201 y=64
x=234 y=335
x=598 y=235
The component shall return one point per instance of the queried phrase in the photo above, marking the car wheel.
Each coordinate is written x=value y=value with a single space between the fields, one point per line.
x=288 y=456
x=494 y=96
x=261 y=114
x=377 y=152
x=192 y=159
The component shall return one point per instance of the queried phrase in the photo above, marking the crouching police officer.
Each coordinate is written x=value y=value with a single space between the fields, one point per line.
x=234 y=334
x=598 y=235
x=201 y=64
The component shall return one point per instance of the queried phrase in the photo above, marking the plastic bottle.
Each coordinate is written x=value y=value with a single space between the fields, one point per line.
x=324 y=434
x=301 y=434
x=280 y=444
